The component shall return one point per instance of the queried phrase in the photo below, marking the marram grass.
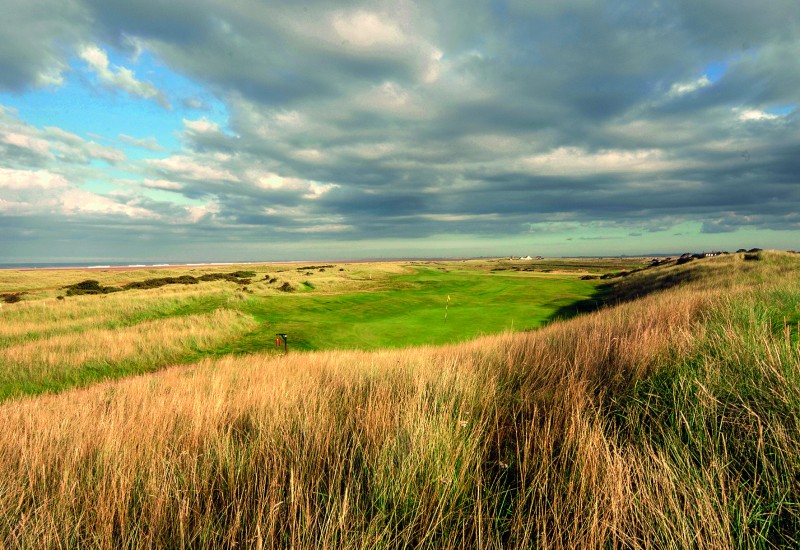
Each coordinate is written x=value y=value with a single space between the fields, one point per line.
x=669 y=421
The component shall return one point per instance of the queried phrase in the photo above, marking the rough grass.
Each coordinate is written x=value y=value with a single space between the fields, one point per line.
x=669 y=421
x=58 y=361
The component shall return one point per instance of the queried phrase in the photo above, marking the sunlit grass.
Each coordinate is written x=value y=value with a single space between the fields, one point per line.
x=63 y=360
x=37 y=318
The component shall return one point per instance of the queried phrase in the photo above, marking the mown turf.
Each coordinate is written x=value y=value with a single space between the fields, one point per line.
x=416 y=311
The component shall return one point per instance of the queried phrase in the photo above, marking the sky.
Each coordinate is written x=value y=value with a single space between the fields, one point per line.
x=244 y=130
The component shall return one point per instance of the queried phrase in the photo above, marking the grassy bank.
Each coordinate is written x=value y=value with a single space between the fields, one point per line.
x=671 y=420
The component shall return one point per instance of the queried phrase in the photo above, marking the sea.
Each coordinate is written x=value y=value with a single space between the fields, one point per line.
x=107 y=265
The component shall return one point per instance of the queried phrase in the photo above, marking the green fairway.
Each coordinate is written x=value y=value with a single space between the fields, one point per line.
x=429 y=306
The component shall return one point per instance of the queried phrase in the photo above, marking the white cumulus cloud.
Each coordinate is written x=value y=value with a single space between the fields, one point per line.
x=116 y=76
x=181 y=166
x=30 y=179
x=79 y=201
x=754 y=114
x=162 y=184
x=683 y=88
x=364 y=29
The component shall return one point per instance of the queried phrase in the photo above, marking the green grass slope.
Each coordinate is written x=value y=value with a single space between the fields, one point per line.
x=428 y=306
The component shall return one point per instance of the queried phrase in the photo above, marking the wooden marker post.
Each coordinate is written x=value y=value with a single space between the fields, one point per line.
x=282 y=337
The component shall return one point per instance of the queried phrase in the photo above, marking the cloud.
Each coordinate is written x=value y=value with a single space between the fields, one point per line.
x=149 y=143
x=78 y=201
x=201 y=126
x=366 y=30
x=36 y=39
x=30 y=179
x=196 y=214
x=187 y=168
x=683 y=88
x=323 y=228
x=194 y=103
x=29 y=143
x=25 y=145
x=393 y=120
x=755 y=115
x=165 y=185
x=118 y=77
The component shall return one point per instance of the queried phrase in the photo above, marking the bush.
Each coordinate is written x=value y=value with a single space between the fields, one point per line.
x=89 y=286
x=307 y=267
x=243 y=274
x=232 y=277
x=286 y=287
x=12 y=297
x=162 y=281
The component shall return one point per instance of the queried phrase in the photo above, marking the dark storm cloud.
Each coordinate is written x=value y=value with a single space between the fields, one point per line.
x=351 y=120
x=35 y=40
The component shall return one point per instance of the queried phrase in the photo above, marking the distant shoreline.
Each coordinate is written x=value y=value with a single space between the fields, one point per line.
x=116 y=266
x=120 y=266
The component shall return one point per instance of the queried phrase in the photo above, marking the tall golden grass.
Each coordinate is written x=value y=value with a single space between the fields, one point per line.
x=671 y=421
x=48 y=317
x=64 y=358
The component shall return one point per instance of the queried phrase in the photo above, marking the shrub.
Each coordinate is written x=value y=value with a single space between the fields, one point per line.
x=286 y=287
x=89 y=286
x=232 y=277
x=162 y=281
x=12 y=297
x=307 y=267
